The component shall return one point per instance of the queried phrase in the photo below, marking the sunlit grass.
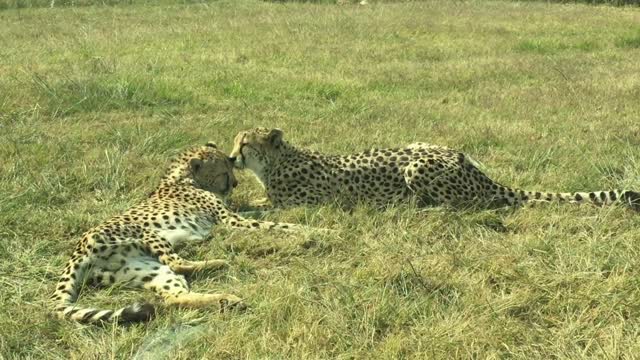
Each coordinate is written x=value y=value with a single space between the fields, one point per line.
x=95 y=99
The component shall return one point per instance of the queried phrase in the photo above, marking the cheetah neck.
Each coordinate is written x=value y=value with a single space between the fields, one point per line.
x=281 y=155
x=288 y=155
x=177 y=175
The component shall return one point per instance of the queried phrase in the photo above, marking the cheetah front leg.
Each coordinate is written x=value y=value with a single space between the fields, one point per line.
x=261 y=204
x=162 y=249
x=258 y=208
x=238 y=222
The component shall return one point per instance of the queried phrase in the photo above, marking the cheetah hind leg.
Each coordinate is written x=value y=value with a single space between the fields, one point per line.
x=223 y=302
x=426 y=188
x=447 y=184
x=172 y=287
x=101 y=278
x=162 y=249
x=194 y=266
x=177 y=293
x=183 y=266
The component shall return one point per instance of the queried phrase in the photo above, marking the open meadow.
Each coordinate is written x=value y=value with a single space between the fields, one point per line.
x=95 y=99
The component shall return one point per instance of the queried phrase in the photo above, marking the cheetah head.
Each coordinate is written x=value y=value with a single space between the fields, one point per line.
x=211 y=170
x=253 y=149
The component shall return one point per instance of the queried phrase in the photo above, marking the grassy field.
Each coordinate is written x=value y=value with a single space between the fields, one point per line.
x=95 y=99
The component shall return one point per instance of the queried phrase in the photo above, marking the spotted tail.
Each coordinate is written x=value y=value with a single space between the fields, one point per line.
x=599 y=198
x=67 y=292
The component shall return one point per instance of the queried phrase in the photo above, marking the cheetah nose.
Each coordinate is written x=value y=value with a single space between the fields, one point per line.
x=232 y=159
x=234 y=183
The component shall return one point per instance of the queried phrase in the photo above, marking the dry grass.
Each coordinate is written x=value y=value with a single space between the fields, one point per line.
x=93 y=100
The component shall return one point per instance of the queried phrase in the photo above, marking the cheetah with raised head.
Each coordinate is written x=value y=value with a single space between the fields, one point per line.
x=434 y=175
x=137 y=247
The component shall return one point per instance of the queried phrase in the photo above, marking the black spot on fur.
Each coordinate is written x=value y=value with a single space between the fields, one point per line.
x=632 y=198
x=89 y=315
x=144 y=312
x=105 y=316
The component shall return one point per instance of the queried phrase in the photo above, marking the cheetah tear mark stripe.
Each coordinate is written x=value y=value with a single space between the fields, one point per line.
x=599 y=198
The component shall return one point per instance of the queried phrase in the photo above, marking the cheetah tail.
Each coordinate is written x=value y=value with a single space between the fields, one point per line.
x=599 y=198
x=133 y=313
x=66 y=294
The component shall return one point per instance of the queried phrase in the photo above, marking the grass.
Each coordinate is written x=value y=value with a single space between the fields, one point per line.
x=594 y=2
x=629 y=41
x=94 y=99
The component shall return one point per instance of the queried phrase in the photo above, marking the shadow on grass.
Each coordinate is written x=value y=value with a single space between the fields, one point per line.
x=160 y=344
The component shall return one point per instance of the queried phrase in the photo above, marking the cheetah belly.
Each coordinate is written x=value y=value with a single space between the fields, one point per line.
x=175 y=236
x=376 y=183
x=115 y=260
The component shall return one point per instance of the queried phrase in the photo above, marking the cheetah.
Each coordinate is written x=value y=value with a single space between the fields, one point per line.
x=137 y=247
x=433 y=175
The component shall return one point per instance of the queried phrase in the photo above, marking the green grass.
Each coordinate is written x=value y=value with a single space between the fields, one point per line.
x=593 y=2
x=95 y=99
x=630 y=41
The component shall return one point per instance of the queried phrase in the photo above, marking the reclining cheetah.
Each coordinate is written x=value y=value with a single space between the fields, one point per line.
x=136 y=247
x=436 y=175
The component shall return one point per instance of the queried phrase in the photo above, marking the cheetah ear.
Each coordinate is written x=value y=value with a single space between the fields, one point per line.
x=275 y=136
x=211 y=144
x=195 y=164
